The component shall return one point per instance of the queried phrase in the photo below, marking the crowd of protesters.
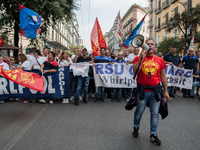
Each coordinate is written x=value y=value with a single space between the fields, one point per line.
x=81 y=86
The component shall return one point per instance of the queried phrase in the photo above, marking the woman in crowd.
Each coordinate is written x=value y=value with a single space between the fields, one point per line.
x=12 y=64
x=24 y=64
x=66 y=61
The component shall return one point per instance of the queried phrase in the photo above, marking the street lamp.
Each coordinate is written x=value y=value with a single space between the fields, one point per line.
x=187 y=25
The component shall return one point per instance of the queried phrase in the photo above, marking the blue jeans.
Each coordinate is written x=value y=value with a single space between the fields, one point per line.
x=80 y=82
x=100 y=92
x=127 y=92
x=117 y=92
x=154 y=109
x=195 y=84
x=73 y=83
x=170 y=90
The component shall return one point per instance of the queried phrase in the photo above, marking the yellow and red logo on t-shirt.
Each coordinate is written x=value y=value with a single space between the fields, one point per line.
x=153 y=69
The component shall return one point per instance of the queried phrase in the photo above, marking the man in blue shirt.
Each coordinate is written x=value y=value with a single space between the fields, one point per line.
x=190 y=62
x=101 y=59
x=118 y=91
x=172 y=58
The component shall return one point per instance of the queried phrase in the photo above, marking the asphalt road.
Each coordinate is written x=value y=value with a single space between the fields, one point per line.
x=95 y=126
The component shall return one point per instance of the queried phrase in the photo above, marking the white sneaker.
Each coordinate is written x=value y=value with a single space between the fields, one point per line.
x=42 y=101
x=51 y=102
x=93 y=95
x=1 y=102
x=127 y=99
x=66 y=100
x=72 y=98
x=80 y=98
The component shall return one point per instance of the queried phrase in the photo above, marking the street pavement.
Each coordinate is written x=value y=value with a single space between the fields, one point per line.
x=96 y=126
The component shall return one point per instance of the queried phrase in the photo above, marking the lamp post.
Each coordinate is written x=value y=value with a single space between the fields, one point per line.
x=186 y=27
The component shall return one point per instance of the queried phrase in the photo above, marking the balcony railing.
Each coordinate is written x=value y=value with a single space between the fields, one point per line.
x=165 y=4
x=158 y=10
x=157 y=28
x=173 y=1
x=165 y=24
x=151 y=23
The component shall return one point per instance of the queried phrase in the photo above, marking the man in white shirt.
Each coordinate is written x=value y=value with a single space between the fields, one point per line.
x=5 y=65
x=37 y=60
x=132 y=56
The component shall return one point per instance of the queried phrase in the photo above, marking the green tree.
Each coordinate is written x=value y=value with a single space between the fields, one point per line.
x=73 y=48
x=188 y=20
x=53 y=11
x=167 y=43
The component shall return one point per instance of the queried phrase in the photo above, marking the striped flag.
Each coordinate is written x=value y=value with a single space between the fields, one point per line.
x=117 y=28
x=192 y=43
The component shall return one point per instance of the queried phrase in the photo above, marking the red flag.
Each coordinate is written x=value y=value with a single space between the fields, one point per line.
x=102 y=42
x=97 y=38
x=28 y=79
x=94 y=40
x=1 y=42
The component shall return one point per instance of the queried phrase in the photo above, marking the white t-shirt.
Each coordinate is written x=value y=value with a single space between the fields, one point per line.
x=26 y=65
x=5 y=66
x=131 y=57
x=64 y=62
x=45 y=57
x=34 y=63
x=29 y=57
x=126 y=59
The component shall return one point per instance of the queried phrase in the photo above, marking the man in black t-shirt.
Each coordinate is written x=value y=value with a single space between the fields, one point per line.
x=82 y=80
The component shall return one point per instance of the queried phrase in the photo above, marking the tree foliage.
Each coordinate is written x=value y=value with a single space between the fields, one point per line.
x=73 y=48
x=167 y=43
x=51 y=11
x=187 y=20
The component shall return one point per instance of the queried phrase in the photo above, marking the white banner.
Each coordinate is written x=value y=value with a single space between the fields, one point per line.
x=120 y=75
x=80 y=69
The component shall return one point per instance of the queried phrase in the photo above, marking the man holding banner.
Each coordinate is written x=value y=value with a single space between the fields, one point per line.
x=151 y=73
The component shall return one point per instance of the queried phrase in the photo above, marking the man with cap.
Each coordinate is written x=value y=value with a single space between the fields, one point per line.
x=82 y=80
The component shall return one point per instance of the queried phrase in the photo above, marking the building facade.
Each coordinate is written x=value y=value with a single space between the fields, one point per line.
x=164 y=10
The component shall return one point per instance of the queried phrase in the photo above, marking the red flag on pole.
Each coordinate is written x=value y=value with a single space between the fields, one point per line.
x=97 y=38
x=28 y=79
x=1 y=42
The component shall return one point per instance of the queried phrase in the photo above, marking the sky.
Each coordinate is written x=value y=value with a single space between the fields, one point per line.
x=106 y=12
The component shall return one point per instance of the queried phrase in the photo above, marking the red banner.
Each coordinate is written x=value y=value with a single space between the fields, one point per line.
x=1 y=42
x=97 y=38
x=26 y=79
x=102 y=42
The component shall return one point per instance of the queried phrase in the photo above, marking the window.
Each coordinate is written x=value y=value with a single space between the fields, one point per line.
x=176 y=10
x=158 y=23
x=158 y=40
x=166 y=17
x=52 y=34
x=166 y=34
x=175 y=32
x=189 y=3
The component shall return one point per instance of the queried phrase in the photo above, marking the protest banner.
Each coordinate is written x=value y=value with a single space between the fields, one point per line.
x=120 y=75
x=56 y=85
x=80 y=69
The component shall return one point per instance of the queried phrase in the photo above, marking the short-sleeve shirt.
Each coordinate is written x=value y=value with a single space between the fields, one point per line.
x=123 y=61
x=5 y=66
x=100 y=59
x=190 y=62
x=51 y=64
x=131 y=57
x=26 y=64
x=153 y=64
x=81 y=59
x=174 y=59
x=64 y=62
x=36 y=64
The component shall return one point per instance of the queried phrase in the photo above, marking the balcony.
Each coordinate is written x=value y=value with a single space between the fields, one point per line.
x=165 y=24
x=157 y=28
x=173 y=1
x=165 y=4
x=172 y=20
x=158 y=10
x=151 y=23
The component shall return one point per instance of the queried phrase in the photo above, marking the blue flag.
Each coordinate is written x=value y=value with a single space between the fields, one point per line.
x=30 y=22
x=135 y=32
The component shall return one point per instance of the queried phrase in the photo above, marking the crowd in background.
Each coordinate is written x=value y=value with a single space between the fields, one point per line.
x=80 y=86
